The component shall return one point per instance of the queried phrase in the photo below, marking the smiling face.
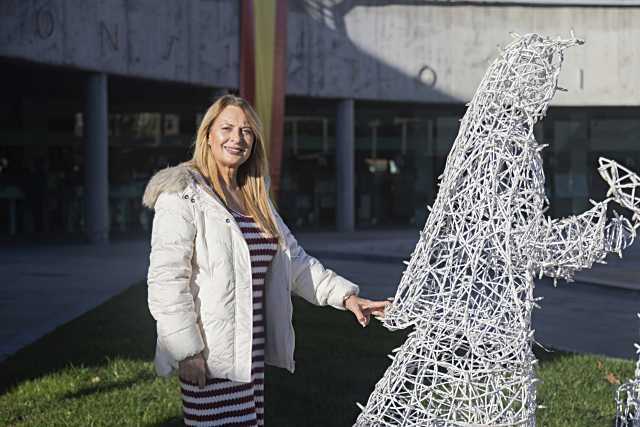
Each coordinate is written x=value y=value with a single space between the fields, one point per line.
x=231 y=138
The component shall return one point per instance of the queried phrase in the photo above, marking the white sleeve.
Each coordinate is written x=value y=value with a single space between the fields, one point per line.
x=311 y=280
x=170 y=300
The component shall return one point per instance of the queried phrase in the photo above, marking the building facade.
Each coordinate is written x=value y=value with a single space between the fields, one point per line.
x=99 y=95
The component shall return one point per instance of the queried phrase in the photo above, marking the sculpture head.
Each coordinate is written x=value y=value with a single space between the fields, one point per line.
x=522 y=81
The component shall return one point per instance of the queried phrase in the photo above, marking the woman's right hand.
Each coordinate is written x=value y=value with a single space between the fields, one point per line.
x=193 y=369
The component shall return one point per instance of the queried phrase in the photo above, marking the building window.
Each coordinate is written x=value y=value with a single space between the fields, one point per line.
x=308 y=178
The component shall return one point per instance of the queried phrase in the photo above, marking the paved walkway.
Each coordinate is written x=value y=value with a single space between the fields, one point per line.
x=46 y=286
x=397 y=245
x=579 y=317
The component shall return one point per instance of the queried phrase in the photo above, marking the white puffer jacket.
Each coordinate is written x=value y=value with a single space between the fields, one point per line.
x=199 y=281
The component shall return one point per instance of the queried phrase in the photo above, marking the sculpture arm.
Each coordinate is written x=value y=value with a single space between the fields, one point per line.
x=564 y=246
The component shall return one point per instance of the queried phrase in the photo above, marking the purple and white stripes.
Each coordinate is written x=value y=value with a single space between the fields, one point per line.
x=228 y=403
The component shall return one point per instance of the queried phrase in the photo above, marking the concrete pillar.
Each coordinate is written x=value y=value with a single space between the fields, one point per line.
x=345 y=150
x=96 y=164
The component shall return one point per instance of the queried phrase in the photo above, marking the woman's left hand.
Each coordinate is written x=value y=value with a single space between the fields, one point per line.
x=363 y=308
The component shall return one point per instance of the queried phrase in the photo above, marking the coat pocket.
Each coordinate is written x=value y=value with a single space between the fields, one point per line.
x=219 y=340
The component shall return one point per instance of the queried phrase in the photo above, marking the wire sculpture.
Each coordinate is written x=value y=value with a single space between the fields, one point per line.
x=468 y=288
x=628 y=399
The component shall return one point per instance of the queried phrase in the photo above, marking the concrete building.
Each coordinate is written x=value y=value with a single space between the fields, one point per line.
x=97 y=95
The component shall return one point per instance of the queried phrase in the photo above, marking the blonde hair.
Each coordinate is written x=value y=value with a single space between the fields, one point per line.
x=251 y=174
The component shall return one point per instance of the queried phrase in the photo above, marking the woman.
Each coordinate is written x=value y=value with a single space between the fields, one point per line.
x=222 y=268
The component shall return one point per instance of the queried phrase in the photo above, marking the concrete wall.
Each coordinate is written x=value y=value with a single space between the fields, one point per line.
x=363 y=49
x=182 y=40
x=401 y=50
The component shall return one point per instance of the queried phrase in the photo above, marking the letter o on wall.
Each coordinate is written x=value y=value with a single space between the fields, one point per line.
x=45 y=23
x=427 y=76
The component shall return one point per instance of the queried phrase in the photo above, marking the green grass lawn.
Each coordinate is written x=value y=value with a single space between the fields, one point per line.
x=97 y=370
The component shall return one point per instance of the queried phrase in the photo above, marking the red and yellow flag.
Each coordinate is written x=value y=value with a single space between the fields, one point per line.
x=263 y=59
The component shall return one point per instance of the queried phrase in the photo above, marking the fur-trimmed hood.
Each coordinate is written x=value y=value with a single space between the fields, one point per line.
x=171 y=179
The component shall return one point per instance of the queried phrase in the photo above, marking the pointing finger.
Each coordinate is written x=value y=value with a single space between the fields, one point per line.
x=378 y=303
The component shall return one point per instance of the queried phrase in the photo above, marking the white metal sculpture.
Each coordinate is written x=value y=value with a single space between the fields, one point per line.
x=628 y=399
x=468 y=288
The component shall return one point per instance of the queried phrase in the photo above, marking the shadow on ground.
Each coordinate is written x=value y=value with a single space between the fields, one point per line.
x=337 y=364
x=120 y=328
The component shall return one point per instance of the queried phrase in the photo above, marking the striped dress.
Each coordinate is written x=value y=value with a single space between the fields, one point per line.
x=227 y=403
